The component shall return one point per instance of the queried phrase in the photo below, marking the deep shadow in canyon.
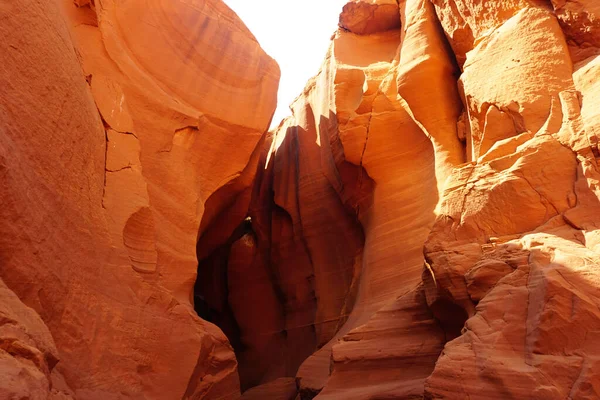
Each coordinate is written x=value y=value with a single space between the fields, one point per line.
x=258 y=285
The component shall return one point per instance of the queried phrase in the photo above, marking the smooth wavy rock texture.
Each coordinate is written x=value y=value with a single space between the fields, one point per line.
x=425 y=223
x=424 y=226
x=117 y=118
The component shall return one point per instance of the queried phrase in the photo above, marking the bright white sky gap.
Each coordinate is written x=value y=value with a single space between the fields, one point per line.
x=296 y=34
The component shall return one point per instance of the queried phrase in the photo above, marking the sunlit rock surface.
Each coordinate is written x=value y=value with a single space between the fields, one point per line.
x=118 y=120
x=425 y=224
x=462 y=138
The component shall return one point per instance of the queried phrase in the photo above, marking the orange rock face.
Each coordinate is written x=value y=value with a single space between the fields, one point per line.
x=115 y=119
x=462 y=138
x=425 y=225
x=28 y=354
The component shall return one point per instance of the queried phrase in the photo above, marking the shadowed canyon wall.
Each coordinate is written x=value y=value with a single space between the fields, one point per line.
x=425 y=224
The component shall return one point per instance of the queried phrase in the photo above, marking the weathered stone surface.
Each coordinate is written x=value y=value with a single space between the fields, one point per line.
x=280 y=389
x=116 y=119
x=364 y=17
x=475 y=128
x=425 y=225
x=390 y=356
x=386 y=133
x=510 y=255
x=580 y=20
x=28 y=354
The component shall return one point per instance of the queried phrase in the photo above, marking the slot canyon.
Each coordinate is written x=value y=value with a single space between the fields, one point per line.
x=425 y=225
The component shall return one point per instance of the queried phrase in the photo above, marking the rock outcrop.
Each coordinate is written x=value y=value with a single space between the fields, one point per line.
x=517 y=224
x=28 y=354
x=117 y=118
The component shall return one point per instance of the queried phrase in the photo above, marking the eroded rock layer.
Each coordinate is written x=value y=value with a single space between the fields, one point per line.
x=425 y=225
x=28 y=354
x=116 y=117
x=461 y=138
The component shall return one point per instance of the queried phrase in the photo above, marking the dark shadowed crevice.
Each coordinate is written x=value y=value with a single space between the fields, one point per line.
x=450 y=316
x=263 y=248
x=211 y=290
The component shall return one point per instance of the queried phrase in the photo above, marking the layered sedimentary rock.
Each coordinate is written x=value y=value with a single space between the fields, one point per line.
x=530 y=273
x=461 y=137
x=425 y=225
x=407 y=152
x=284 y=283
x=28 y=354
x=115 y=117
x=504 y=258
x=281 y=389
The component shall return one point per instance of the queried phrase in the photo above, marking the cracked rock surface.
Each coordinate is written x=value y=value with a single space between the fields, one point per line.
x=117 y=118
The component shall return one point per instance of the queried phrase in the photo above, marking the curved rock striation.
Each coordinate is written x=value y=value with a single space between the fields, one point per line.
x=504 y=262
x=28 y=354
x=470 y=129
x=425 y=224
x=115 y=117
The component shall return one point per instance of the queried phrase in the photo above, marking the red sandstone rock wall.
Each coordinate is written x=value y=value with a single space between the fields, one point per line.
x=115 y=119
x=425 y=225
x=28 y=353
x=462 y=136
x=511 y=263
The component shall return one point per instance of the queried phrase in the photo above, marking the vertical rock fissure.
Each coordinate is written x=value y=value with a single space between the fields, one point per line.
x=224 y=317
x=361 y=170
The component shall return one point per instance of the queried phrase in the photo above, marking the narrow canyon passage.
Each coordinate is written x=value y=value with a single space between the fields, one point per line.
x=363 y=138
x=336 y=222
x=424 y=225
x=263 y=280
